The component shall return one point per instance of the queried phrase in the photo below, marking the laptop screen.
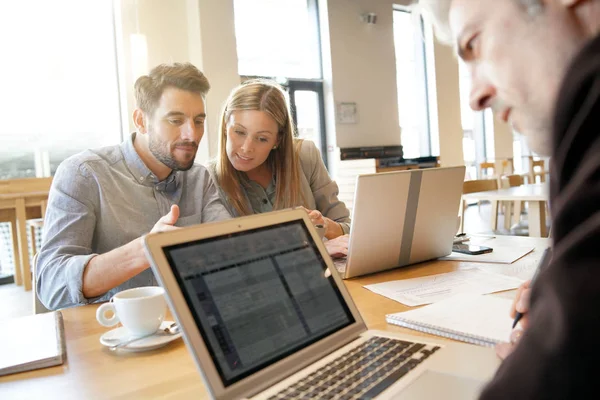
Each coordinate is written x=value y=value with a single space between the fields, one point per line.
x=258 y=296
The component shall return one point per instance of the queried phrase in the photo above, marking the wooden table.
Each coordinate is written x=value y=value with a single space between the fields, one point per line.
x=17 y=208
x=536 y=195
x=94 y=372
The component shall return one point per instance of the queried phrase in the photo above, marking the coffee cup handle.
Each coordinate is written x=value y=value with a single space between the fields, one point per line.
x=101 y=315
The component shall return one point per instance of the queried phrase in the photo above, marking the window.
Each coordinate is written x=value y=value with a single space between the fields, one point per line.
x=271 y=44
x=411 y=79
x=307 y=103
x=521 y=153
x=288 y=26
x=59 y=83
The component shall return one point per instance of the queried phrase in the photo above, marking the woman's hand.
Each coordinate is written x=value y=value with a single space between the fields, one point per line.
x=338 y=247
x=332 y=228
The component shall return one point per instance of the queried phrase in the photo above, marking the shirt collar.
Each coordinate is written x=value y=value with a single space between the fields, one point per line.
x=141 y=173
x=254 y=187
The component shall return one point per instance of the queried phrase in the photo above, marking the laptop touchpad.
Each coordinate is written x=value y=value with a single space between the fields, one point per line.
x=437 y=385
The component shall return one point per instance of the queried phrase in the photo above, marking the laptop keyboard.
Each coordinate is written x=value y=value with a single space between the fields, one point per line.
x=361 y=373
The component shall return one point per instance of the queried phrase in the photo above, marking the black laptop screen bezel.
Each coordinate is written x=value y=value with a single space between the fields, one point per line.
x=186 y=295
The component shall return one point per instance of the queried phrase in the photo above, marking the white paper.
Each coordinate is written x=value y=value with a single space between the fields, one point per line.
x=524 y=269
x=473 y=315
x=429 y=289
x=500 y=254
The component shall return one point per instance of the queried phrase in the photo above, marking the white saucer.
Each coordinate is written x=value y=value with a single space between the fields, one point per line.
x=120 y=334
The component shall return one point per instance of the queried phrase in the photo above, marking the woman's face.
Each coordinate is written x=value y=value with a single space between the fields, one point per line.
x=251 y=135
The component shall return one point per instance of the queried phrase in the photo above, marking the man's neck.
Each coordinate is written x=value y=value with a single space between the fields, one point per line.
x=160 y=170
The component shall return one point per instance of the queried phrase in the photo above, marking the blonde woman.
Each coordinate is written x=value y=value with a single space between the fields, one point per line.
x=262 y=167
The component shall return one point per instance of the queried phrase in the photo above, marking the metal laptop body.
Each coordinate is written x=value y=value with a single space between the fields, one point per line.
x=188 y=261
x=402 y=218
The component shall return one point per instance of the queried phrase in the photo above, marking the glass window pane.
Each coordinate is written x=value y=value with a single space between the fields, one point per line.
x=412 y=90
x=308 y=115
x=277 y=38
x=60 y=91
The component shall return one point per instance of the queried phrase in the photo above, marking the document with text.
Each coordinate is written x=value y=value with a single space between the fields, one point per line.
x=430 y=289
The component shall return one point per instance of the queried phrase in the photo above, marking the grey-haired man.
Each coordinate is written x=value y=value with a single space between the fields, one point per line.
x=536 y=63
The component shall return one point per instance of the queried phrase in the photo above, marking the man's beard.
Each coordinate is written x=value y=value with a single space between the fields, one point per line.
x=157 y=148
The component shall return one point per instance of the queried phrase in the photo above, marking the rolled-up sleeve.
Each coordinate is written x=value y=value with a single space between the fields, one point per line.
x=324 y=189
x=67 y=237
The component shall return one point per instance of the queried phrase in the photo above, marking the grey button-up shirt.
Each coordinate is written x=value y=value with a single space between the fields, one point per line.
x=103 y=199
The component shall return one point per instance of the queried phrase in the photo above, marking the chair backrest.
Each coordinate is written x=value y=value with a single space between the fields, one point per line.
x=485 y=168
x=511 y=181
x=537 y=168
x=479 y=185
x=38 y=307
x=538 y=163
x=505 y=167
x=25 y=185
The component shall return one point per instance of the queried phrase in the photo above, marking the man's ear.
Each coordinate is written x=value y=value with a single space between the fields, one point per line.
x=139 y=121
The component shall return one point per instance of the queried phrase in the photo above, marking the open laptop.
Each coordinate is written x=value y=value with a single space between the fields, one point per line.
x=266 y=316
x=402 y=218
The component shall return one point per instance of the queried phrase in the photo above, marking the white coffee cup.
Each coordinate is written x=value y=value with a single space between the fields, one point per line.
x=140 y=310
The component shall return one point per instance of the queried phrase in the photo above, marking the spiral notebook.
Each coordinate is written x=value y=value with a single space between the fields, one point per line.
x=478 y=319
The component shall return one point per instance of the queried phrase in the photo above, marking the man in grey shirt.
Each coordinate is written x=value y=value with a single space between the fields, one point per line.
x=103 y=201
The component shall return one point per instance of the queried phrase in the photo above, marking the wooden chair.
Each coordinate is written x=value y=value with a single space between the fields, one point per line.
x=33 y=209
x=480 y=185
x=485 y=168
x=24 y=185
x=33 y=225
x=537 y=168
x=38 y=307
x=505 y=167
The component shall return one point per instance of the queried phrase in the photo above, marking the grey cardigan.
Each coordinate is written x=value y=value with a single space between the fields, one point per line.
x=318 y=189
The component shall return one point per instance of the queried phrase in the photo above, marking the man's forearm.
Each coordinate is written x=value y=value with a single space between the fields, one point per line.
x=109 y=270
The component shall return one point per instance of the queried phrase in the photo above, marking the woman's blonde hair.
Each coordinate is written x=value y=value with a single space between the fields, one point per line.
x=269 y=97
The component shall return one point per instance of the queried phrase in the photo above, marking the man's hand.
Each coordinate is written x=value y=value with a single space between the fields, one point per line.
x=106 y=271
x=338 y=247
x=167 y=222
x=504 y=349
x=521 y=303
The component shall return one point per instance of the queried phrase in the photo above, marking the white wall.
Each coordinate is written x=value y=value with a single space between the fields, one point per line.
x=360 y=67
x=160 y=24
x=447 y=104
x=219 y=59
